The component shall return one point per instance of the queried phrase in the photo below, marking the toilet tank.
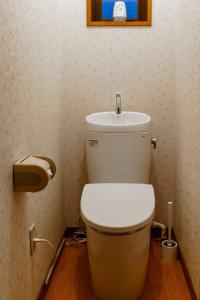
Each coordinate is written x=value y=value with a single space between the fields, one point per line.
x=118 y=157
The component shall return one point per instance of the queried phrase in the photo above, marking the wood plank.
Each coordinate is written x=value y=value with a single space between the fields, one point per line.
x=71 y=279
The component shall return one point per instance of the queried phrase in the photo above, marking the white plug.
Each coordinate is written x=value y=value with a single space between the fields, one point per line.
x=34 y=240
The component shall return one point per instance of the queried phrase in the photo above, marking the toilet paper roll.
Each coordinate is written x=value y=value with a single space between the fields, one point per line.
x=49 y=172
x=32 y=173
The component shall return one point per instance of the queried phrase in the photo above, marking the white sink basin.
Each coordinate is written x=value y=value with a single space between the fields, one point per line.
x=124 y=122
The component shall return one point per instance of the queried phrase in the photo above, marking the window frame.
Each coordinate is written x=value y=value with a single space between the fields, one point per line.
x=91 y=22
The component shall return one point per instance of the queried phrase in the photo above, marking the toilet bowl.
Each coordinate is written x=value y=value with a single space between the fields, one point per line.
x=118 y=219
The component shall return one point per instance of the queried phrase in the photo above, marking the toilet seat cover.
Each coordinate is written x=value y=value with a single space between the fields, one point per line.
x=117 y=207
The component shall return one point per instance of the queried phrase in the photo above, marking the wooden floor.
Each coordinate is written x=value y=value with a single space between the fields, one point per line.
x=71 y=279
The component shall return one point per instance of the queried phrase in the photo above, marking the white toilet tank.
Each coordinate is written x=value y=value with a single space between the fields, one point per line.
x=118 y=157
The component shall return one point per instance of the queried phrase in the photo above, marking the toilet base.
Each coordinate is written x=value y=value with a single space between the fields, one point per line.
x=118 y=263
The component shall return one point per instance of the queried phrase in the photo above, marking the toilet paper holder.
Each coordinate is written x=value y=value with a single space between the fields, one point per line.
x=32 y=173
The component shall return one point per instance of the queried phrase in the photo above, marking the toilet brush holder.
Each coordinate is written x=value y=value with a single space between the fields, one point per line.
x=169 y=251
x=169 y=247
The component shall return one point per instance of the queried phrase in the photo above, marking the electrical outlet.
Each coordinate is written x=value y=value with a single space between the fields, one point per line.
x=32 y=235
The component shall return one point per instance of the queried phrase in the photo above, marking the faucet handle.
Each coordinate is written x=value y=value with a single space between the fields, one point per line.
x=118 y=103
x=118 y=94
x=154 y=142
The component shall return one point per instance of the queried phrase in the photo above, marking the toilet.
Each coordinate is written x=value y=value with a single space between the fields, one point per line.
x=118 y=207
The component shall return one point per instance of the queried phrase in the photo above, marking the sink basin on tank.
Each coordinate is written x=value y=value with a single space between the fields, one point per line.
x=124 y=122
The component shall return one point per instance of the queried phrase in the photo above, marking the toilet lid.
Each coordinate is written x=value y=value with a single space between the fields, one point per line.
x=117 y=207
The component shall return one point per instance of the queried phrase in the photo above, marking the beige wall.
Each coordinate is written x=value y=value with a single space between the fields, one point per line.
x=140 y=63
x=188 y=137
x=30 y=108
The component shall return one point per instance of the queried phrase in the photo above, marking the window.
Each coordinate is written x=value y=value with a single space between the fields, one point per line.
x=135 y=13
x=108 y=7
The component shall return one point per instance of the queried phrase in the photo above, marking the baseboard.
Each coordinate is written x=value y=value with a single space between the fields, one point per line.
x=42 y=292
x=69 y=231
x=156 y=232
x=45 y=286
x=187 y=277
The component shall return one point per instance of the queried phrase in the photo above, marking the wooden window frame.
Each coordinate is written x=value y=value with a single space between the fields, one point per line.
x=91 y=22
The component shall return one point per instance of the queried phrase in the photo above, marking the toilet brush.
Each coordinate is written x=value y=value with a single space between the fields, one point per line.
x=170 y=212
x=169 y=247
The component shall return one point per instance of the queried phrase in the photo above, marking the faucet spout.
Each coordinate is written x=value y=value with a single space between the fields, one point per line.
x=118 y=104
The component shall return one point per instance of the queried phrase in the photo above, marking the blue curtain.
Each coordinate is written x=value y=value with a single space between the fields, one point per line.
x=131 y=7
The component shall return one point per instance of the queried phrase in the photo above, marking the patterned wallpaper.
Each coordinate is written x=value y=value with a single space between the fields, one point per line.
x=30 y=108
x=138 y=62
x=188 y=138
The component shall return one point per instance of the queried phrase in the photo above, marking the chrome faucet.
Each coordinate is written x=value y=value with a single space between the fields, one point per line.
x=118 y=104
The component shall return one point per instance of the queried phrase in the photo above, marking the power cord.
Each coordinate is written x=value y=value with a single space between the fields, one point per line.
x=37 y=240
x=79 y=238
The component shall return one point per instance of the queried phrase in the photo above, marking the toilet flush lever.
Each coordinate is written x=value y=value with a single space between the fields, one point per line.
x=154 y=143
x=93 y=142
